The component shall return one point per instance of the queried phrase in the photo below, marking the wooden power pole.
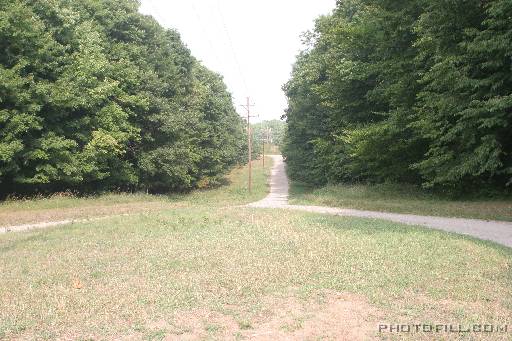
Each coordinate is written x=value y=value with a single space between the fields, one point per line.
x=249 y=141
x=265 y=136
x=263 y=139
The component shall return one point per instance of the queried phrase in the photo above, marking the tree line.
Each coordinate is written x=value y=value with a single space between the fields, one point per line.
x=270 y=132
x=413 y=91
x=96 y=96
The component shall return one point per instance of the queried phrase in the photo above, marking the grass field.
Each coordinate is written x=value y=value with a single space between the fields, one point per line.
x=205 y=269
x=63 y=206
x=399 y=199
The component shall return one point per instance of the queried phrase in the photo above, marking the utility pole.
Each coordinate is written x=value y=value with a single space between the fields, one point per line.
x=249 y=141
x=263 y=139
x=265 y=134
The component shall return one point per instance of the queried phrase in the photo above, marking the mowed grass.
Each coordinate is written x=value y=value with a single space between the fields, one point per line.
x=399 y=199
x=214 y=271
x=63 y=206
x=235 y=190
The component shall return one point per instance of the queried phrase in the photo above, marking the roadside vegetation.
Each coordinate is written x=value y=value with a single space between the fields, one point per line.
x=400 y=199
x=211 y=269
x=415 y=92
x=62 y=206
x=95 y=96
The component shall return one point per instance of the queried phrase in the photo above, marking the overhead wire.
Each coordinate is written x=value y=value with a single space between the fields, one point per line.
x=208 y=39
x=232 y=48
x=205 y=34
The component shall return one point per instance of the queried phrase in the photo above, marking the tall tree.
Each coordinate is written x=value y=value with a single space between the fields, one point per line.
x=95 y=95
x=465 y=109
x=416 y=91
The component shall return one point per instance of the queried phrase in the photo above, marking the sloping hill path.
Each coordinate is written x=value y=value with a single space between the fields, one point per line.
x=496 y=231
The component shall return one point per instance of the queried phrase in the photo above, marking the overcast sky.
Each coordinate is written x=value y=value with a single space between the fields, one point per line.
x=252 y=43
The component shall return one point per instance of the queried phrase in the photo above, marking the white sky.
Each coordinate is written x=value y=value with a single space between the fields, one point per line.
x=264 y=35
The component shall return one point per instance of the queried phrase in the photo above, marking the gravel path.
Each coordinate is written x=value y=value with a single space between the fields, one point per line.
x=43 y=225
x=497 y=231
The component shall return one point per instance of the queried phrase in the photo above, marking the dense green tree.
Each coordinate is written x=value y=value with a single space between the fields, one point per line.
x=95 y=95
x=465 y=107
x=361 y=87
x=306 y=121
x=416 y=91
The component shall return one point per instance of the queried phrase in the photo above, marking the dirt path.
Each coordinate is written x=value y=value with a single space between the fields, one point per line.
x=18 y=220
x=497 y=231
x=43 y=225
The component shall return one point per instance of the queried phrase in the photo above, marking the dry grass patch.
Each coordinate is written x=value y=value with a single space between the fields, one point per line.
x=65 y=206
x=21 y=216
x=208 y=272
x=327 y=315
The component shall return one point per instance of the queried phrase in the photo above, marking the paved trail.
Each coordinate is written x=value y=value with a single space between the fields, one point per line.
x=497 y=231
x=43 y=225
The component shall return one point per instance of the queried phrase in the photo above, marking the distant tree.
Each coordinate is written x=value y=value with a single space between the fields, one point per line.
x=271 y=132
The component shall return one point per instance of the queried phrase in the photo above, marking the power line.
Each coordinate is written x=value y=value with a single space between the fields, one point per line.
x=232 y=47
x=205 y=34
x=247 y=107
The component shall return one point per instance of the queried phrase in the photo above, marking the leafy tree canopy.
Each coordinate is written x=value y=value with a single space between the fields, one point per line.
x=95 y=95
x=405 y=91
